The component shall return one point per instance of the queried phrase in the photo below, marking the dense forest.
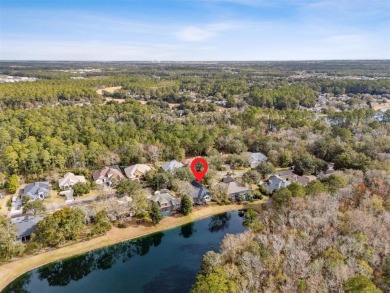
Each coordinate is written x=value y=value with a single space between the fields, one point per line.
x=38 y=141
x=262 y=85
x=329 y=242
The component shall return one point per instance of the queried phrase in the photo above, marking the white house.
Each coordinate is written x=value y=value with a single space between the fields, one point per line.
x=255 y=159
x=171 y=166
x=137 y=171
x=69 y=180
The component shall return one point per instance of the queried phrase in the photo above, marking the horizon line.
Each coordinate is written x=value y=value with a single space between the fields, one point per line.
x=190 y=61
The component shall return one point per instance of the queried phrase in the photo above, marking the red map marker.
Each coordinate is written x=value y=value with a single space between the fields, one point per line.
x=199 y=174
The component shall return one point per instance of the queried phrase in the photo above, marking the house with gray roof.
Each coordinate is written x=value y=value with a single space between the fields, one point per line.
x=234 y=188
x=275 y=182
x=228 y=179
x=171 y=166
x=255 y=159
x=36 y=190
x=200 y=194
x=25 y=227
x=166 y=201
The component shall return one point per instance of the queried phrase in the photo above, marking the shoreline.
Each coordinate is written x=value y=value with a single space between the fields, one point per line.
x=14 y=269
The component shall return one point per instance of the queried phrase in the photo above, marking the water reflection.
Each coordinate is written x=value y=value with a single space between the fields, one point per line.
x=173 y=270
x=187 y=230
x=63 y=272
x=219 y=222
x=18 y=285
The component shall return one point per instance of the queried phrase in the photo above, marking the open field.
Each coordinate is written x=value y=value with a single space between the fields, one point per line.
x=108 y=89
x=10 y=271
x=377 y=106
x=120 y=101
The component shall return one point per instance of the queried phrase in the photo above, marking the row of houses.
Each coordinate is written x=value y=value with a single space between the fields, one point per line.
x=168 y=203
x=109 y=175
x=276 y=182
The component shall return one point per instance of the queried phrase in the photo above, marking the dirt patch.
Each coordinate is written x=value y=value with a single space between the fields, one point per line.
x=108 y=89
x=119 y=101
x=377 y=106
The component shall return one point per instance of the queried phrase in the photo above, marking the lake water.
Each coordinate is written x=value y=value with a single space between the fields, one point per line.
x=162 y=262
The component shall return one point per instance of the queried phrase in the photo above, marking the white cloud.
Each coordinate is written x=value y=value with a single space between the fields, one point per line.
x=201 y=33
x=194 y=34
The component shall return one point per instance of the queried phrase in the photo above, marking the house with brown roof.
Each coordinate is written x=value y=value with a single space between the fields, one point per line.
x=108 y=175
x=137 y=171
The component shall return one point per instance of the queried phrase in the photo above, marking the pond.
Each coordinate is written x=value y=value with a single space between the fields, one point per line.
x=167 y=261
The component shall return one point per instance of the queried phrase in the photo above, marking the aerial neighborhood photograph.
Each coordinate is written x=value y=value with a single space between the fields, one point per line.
x=204 y=146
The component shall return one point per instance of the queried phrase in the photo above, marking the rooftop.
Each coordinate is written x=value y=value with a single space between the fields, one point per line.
x=25 y=225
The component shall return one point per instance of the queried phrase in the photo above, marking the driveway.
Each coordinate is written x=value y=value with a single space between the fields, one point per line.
x=68 y=194
x=16 y=206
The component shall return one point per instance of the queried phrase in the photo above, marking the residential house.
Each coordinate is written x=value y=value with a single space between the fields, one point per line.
x=275 y=182
x=235 y=189
x=166 y=201
x=69 y=180
x=228 y=179
x=171 y=166
x=108 y=175
x=36 y=190
x=188 y=161
x=330 y=169
x=200 y=194
x=302 y=180
x=284 y=173
x=137 y=171
x=255 y=159
x=25 y=226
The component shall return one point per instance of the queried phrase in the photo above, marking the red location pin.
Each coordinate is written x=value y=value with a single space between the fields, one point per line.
x=199 y=174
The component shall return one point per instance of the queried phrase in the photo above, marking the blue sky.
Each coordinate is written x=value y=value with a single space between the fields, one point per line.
x=195 y=30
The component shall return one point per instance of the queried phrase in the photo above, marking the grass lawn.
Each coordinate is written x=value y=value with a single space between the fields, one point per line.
x=54 y=198
x=3 y=202
x=93 y=193
x=282 y=169
x=257 y=205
